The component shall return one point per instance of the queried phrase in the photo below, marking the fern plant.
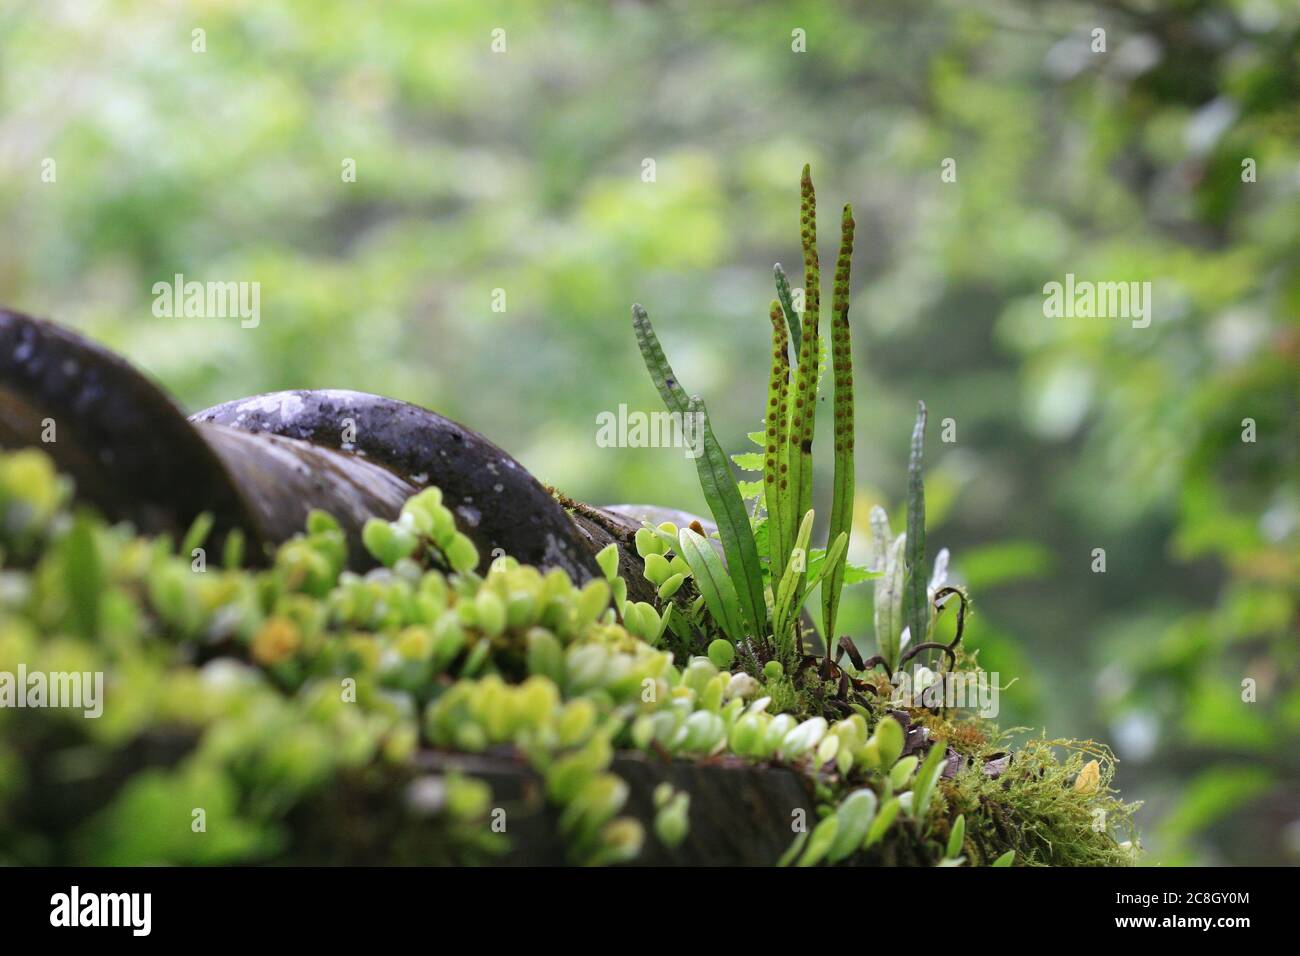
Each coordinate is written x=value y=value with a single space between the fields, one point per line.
x=758 y=594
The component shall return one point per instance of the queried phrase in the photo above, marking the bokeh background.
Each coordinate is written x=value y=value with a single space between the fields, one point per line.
x=522 y=171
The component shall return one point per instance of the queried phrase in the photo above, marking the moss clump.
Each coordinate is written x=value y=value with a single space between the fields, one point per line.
x=1037 y=808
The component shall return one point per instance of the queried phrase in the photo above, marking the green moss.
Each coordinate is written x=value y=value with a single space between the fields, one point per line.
x=1035 y=809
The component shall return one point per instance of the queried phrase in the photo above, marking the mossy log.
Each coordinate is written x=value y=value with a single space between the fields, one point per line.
x=740 y=815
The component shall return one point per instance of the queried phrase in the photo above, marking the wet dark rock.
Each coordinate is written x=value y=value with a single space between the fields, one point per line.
x=119 y=436
x=261 y=463
x=496 y=501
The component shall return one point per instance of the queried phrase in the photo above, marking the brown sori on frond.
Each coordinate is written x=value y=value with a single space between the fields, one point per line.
x=803 y=414
x=775 y=454
x=841 y=352
x=842 y=365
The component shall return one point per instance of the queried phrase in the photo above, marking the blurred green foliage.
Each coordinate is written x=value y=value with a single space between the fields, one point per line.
x=522 y=171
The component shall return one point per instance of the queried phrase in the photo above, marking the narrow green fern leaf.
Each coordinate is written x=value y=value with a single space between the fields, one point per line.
x=716 y=480
x=775 y=452
x=889 y=605
x=787 y=305
x=711 y=578
x=916 y=611
x=842 y=362
x=803 y=411
x=834 y=559
x=786 y=599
